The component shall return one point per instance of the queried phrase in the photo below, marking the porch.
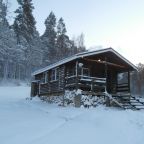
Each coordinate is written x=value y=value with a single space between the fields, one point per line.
x=97 y=75
x=88 y=85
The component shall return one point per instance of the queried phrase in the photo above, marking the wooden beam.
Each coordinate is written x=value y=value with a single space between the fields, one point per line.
x=104 y=62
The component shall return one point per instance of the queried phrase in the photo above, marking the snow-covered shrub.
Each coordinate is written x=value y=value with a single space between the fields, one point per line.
x=68 y=99
x=91 y=101
x=86 y=100
x=52 y=99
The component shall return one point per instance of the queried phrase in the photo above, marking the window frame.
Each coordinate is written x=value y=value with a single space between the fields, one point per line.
x=54 y=75
x=46 y=77
x=82 y=71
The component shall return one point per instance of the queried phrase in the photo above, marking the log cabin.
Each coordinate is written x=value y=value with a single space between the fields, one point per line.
x=93 y=72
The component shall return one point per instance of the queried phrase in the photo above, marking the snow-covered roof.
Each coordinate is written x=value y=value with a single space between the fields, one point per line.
x=81 y=55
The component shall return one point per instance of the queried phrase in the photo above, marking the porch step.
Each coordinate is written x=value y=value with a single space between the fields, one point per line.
x=129 y=102
x=124 y=101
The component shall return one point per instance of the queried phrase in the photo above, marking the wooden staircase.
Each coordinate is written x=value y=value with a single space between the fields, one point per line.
x=126 y=101
x=134 y=103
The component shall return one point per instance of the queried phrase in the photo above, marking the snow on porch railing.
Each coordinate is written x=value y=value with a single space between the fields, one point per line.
x=94 y=79
x=85 y=80
x=86 y=77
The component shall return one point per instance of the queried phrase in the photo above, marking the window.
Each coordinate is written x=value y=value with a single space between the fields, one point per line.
x=122 y=78
x=85 y=72
x=54 y=74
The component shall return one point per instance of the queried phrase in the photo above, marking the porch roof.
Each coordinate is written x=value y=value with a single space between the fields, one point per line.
x=82 y=55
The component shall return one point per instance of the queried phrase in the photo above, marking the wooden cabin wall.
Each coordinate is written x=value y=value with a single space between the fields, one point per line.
x=44 y=89
x=39 y=76
x=55 y=86
x=70 y=69
x=62 y=78
x=70 y=72
x=96 y=70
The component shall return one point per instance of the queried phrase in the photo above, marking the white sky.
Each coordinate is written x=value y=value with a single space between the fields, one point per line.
x=110 y=23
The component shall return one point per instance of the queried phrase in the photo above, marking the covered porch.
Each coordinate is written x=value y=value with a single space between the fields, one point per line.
x=98 y=74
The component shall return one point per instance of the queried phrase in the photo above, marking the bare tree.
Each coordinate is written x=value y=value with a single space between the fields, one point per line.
x=79 y=42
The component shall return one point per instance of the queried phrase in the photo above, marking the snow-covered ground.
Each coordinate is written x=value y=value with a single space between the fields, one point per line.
x=35 y=122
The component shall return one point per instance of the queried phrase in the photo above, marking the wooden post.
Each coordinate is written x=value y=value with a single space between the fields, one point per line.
x=77 y=98
x=106 y=69
x=76 y=75
x=65 y=75
x=129 y=84
x=116 y=82
x=63 y=99
x=108 y=102
x=129 y=81
x=39 y=89
x=92 y=86
x=106 y=78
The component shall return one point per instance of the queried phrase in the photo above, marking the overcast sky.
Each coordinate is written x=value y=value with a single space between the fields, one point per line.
x=108 y=23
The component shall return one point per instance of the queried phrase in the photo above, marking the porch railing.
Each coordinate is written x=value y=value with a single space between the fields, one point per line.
x=86 y=83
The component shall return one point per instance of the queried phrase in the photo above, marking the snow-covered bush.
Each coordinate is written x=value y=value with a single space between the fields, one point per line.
x=91 y=101
x=68 y=99
x=52 y=99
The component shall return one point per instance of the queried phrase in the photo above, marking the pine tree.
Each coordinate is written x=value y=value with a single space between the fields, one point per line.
x=4 y=59
x=24 y=24
x=49 y=39
x=29 y=21
x=61 y=28
x=3 y=14
x=8 y=48
x=18 y=22
x=27 y=36
x=63 y=42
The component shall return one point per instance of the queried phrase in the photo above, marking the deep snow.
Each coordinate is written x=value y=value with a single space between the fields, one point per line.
x=35 y=122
